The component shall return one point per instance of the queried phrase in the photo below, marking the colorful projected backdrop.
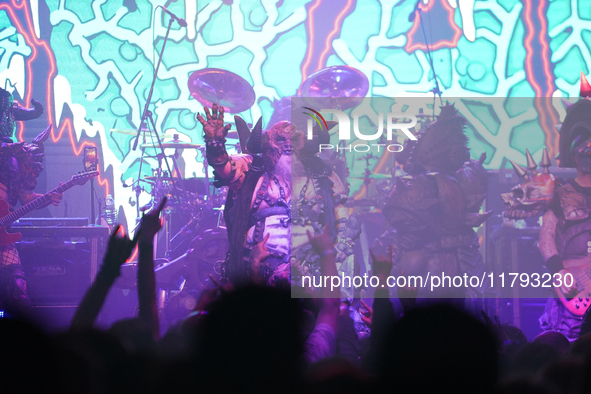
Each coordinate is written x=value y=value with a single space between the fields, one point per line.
x=92 y=62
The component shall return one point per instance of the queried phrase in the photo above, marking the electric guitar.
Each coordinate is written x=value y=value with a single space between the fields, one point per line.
x=581 y=273
x=7 y=217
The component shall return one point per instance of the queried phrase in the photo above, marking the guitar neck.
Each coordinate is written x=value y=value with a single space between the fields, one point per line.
x=36 y=203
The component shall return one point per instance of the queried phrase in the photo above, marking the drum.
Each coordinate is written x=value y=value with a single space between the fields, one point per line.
x=191 y=270
x=212 y=219
x=219 y=199
x=209 y=250
x=204 y=255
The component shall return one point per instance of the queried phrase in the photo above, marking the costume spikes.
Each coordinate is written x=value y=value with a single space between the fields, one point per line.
x=311 y=147
x=567 y=104
x=531 y=163
x=482 y=158
x=43 y=136
x=545 y=163
x=243 y=132
x=520 y=171
x=254 y=141
x=323 y=135
x=585 y=87
x=476 y=219
x=39 y=140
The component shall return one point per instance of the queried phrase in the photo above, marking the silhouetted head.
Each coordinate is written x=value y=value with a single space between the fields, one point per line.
x=251 y=339
x=439 y=349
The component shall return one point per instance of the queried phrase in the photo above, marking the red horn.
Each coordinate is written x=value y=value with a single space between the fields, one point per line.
x=585 y=87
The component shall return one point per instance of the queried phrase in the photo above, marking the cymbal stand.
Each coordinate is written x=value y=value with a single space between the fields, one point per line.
x=436 y=90
x=206 y=172
x=147 y=114
x=367 y=173
x=175 y=165
x=135 y=185
x=180 y=195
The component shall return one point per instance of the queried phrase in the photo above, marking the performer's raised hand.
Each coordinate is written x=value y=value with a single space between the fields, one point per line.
x=213 y=126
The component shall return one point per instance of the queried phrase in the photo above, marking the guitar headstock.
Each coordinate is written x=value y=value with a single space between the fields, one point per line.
x=81 y=177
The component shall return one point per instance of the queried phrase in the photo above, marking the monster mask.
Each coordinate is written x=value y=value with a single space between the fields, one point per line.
x=576 y=130
x=442 y=147
x=282 y=138
x=278 y=139
x=535 y=194
x=582 y=154
x=529 y=198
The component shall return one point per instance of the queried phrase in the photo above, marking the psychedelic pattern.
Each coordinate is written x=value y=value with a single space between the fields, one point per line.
x=93 y=61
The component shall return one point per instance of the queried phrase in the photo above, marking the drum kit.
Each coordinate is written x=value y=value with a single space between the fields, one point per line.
x=198 y=248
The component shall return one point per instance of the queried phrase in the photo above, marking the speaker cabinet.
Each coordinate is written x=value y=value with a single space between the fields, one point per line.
x=60 y=263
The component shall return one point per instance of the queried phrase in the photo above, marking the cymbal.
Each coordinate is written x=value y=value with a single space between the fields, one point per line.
x=128 y=131
x=172 y=144
x=337 y=81
x=162 y=178
x=134 y=132
x=193 y=185
x=373 y=176
x=215 y=85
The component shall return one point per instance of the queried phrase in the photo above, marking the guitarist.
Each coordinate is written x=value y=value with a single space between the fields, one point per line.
x=565 y=235
x=10 y=112
x=20 y=166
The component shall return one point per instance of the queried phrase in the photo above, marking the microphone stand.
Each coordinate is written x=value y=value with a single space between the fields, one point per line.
x=100 y=209
x=92 y=193
x=146 y=110
x=147 y=115
x=436 y=91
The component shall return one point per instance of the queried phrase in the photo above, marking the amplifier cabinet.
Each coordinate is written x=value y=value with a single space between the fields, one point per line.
x=60 y=263
x=516 y=250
